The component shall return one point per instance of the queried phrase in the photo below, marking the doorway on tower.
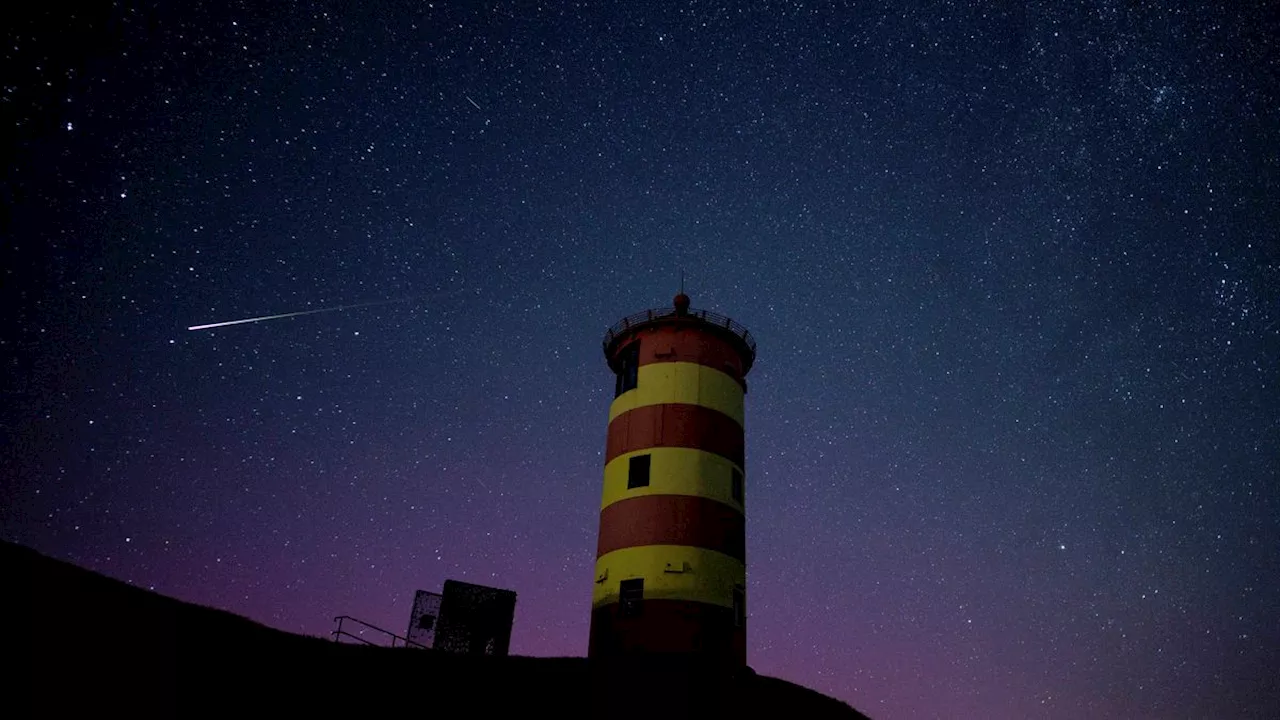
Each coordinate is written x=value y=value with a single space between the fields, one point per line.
x=631 y=597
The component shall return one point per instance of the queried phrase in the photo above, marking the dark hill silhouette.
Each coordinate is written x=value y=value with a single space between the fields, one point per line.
x=87 y=643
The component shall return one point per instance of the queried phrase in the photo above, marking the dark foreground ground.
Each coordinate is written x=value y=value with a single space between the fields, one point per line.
x=79 y=642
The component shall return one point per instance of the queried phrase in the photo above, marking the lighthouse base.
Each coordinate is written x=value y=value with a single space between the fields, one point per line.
x=703 y=631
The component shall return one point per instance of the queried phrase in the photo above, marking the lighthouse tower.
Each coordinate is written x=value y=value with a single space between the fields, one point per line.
x=671 y=573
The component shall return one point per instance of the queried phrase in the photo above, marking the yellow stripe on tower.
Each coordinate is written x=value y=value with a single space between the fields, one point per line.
x=670 y=572
x=682 y=382
x=672 y=471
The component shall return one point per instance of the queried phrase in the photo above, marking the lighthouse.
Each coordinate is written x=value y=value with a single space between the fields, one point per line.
x=671 y=573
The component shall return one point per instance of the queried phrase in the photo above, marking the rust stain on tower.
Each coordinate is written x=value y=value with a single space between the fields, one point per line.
x=671 y=573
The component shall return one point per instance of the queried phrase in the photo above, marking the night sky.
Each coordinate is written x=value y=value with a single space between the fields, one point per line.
x=1014 y=274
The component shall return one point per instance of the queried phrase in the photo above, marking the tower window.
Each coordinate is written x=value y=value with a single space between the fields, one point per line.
x=739 y=607
x=638 y=472
x=628 y=369
x=735 y=485
x=630 y=595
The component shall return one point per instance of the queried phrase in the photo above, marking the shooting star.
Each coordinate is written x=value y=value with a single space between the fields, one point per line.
x=285 y=315
x=473 y=102
x=336 y=308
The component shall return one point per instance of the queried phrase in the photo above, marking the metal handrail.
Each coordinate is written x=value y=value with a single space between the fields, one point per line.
x=639 y=319
x=343 y=633
x=339 y=632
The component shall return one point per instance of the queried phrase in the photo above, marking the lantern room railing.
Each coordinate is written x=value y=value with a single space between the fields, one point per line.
x=722 y=322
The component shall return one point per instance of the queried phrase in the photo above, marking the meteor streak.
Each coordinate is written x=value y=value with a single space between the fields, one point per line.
x=299 y=313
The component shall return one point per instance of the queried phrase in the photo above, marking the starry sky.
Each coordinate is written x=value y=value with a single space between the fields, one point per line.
x=1013 y=270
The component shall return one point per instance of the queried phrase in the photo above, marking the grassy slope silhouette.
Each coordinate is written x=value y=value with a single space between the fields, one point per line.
x=87 y=643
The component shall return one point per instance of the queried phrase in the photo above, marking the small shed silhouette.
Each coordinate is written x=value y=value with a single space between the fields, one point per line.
x=474 y=619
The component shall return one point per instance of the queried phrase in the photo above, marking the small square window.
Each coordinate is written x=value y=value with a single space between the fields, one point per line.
x=628 y=369
x=739 y=607
x=630 y=596
x=638 y=472
x=735 y=485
